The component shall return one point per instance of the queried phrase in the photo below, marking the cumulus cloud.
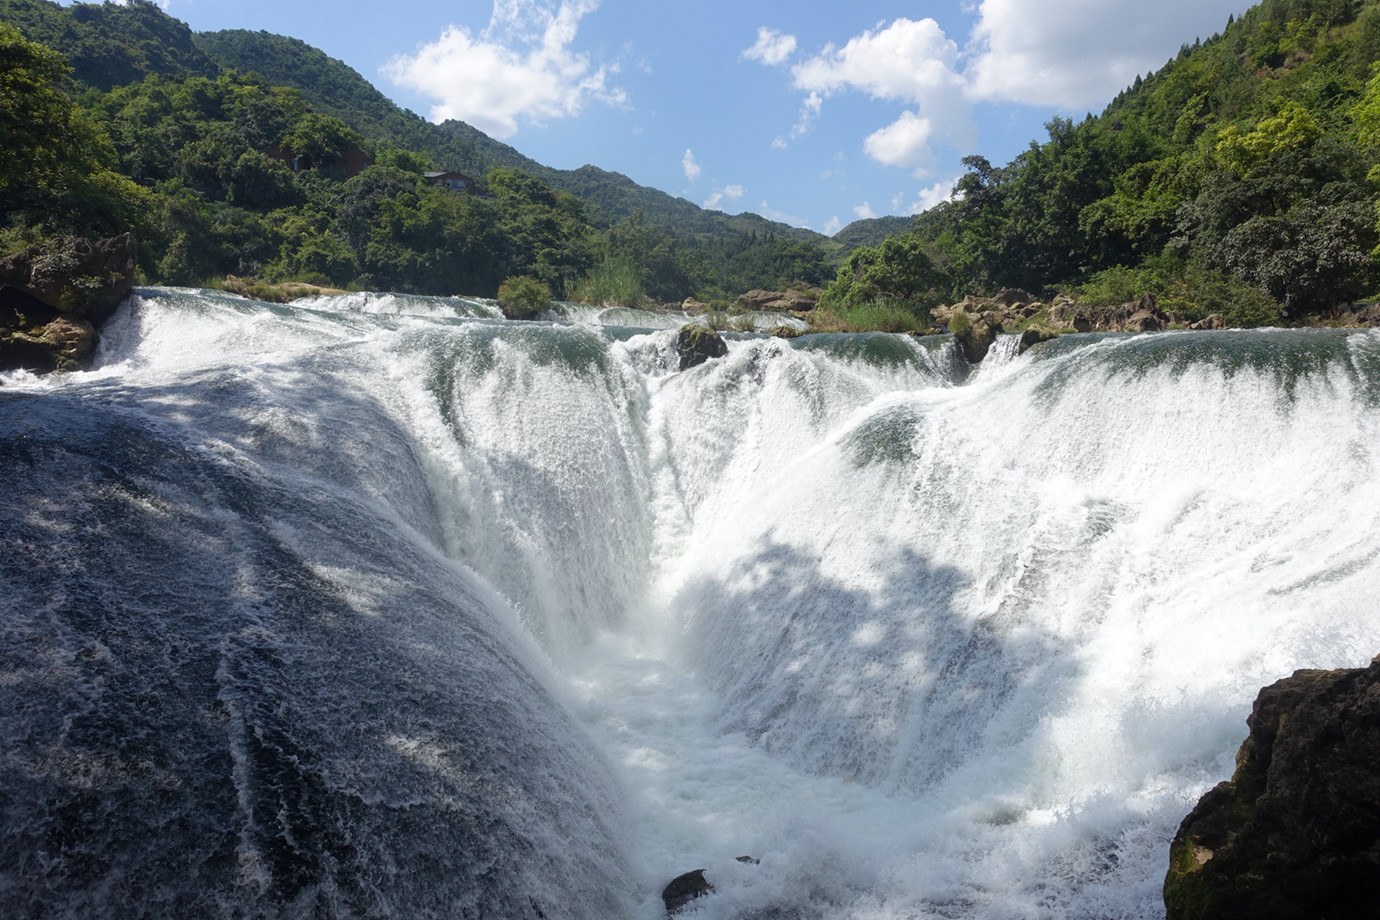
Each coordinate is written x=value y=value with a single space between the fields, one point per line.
x=772 y=47
x=911 y=62
x=905 y=142
x=864 y=211
x=928 y=198
x=832 y=225
x=908 y=60
x=1076 y=54
x=521 y=67
x=692 y=168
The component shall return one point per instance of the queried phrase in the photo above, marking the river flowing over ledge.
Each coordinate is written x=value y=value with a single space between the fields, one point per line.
x=385 y=606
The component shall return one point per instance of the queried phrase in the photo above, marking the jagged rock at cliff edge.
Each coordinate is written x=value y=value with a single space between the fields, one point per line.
x=1295 y=833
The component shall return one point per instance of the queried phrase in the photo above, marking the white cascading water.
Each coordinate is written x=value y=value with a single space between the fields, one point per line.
x=925 y=643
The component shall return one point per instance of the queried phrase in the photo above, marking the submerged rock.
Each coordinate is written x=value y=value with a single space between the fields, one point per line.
x=1295 y=833
x=683 y=889
x=697 y=343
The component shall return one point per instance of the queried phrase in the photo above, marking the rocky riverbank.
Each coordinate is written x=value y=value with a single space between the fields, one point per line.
x=56 y=294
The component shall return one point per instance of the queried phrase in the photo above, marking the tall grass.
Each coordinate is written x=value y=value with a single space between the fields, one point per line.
x=867 y=317
x=615 y=282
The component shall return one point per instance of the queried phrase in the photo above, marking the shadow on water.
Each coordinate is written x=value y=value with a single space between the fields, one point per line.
x=883 y=680
x=225 y=696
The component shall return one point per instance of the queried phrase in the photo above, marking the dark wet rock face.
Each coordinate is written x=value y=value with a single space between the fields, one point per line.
x=1295 y=833
x=683 y=889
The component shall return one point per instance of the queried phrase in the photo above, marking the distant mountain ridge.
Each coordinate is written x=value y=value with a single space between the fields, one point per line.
x=111 y=44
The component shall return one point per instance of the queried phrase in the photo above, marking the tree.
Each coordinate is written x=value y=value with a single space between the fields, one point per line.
x=896 y=273
x=56 y=169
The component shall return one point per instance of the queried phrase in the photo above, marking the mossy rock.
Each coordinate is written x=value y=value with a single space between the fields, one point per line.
x=697 y=343
x=1034 y=335
x=974 y=335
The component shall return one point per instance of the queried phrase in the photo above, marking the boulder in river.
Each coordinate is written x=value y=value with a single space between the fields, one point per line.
x=696 y=343
x=54 y=294
x=683 y=889
x=1295 y=833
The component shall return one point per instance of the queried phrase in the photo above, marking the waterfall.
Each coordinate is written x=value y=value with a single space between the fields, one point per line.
x=384 y=605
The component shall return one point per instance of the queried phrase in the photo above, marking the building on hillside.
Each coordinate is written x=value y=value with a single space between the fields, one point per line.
x=456 y=182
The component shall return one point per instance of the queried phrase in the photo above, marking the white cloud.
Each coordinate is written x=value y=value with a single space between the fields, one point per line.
x=936 y=194
x=692 y=168
x=832 y=225
x=731 y=192
x=904 y=142
x=908 y=61
x=864 y=211
x=520 y=68
x=772 y=47
x=1078 y=54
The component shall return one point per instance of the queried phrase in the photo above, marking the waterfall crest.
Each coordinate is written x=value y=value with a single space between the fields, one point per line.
x=384 y=605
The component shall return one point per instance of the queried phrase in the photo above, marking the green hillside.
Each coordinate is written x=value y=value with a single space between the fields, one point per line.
x=183 y=129
x=332 y=87
x=1234 y=178
x=1239 y=178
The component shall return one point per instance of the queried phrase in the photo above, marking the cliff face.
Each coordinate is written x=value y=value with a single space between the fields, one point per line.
x=1296 y=831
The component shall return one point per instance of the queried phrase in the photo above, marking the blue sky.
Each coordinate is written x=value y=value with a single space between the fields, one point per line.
x=813 y=114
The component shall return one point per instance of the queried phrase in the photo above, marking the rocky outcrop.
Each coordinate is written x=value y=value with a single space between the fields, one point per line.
x=53 y=296
x=795 y=300
x=1295 y=833
x=697 y=343
x=1211 y=321
x=975 y=334
x=1034 y=335
x=73 y=275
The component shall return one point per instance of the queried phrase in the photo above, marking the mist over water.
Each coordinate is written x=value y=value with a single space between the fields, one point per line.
x=382 y=605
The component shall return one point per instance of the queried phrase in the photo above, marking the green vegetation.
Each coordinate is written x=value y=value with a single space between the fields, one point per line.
x=1233 y=180
x=523 y=298
x=614 y=282
x=866 y=317
x=225 y=153
x=887 y=288
x=1241 y=179
x=63 y=181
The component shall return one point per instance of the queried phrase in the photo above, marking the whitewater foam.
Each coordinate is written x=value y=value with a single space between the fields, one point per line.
x=927 y=643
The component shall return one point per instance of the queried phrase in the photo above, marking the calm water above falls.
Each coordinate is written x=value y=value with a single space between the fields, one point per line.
x=383 y=606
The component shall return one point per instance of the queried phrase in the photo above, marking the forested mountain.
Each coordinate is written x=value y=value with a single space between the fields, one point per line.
x=194 y=135
x=1240 y=176
x=872 y=231
x=110 y=45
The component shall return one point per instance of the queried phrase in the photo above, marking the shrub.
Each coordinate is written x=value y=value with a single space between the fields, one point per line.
x=523 y=297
